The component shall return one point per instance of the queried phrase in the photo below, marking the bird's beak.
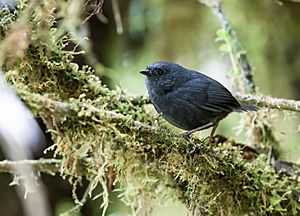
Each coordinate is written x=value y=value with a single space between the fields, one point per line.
x=145 y=72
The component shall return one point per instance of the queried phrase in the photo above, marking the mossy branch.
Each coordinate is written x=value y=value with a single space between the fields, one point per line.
x=195 y=167
x=49 y=166
x=43 y=104
x=270 y=102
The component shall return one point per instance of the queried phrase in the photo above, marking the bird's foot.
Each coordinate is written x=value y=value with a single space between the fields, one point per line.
x=188 y=133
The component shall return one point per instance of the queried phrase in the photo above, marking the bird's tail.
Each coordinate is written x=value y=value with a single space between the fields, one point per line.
x=248 y=108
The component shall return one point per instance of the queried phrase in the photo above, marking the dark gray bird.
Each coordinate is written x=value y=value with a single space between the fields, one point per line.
x=188 y=99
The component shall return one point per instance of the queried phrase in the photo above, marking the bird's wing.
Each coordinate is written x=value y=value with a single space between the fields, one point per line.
x=209 y=95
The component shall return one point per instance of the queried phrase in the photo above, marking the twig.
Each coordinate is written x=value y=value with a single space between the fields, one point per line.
x=260 y=101
x=238 y=55
x=49 y=166
x=117 y=16
x=269 y=102
x=83 y=200
x=296 y=1
x=93 y=9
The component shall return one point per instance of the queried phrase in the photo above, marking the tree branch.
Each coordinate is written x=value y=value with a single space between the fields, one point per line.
x=296 y=1
x=43 y=103
x=256 y=100
x=270 y=102
x=49 y=166
x=79 y=205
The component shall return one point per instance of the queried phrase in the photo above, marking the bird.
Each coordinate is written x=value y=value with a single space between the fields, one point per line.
x=189 y=99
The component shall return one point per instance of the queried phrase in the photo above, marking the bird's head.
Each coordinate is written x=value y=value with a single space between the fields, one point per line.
x=158 y=70
x=164 y=75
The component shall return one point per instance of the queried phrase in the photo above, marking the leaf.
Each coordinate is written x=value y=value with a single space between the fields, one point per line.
x=225 y=48
x=221 y=35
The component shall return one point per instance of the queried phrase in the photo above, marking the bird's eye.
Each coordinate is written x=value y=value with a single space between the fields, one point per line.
x=159 y=71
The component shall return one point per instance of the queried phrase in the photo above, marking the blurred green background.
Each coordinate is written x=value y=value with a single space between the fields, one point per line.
x=184 y=32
